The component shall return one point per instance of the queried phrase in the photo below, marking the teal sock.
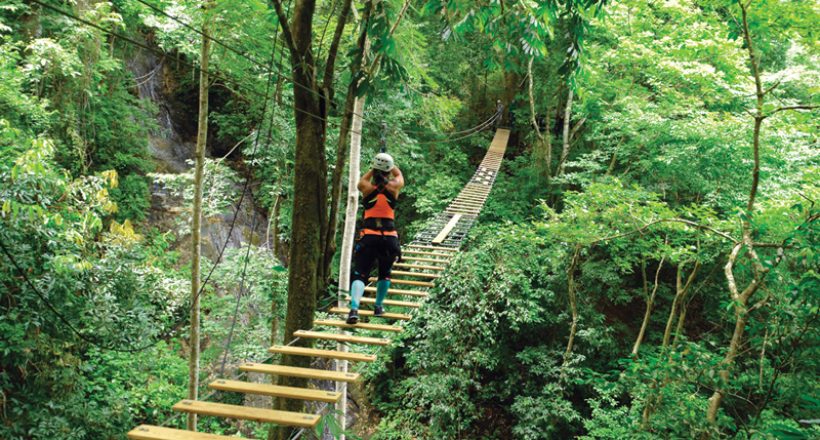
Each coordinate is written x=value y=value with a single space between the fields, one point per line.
x=356 y=292
x=381 y=291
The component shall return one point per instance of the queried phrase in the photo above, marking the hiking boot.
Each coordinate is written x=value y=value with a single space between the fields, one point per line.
x=353 y=317
x=378 y=311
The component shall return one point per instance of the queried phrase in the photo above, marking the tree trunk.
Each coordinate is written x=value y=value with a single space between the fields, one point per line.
x=307 y=275
x=348 y=237
x=196 y=227
x=309 y=196
x=573 y=306
x=277 y=242
x=741 y=300
x=511 y=82
x=566 y=143
x=542 y=147
x=650 y=302
x=681 y=291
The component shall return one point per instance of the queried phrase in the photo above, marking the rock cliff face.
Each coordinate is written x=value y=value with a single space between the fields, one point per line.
x=172 y=148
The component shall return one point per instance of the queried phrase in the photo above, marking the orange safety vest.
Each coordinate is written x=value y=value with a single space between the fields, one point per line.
x=379 y=213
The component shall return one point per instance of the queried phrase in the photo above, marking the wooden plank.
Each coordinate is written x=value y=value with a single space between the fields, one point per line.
x=435 y=248
x=434 y=254
x=345 y=310
x=360 y=325
x=329 y=354
x=392 y=302
x=265 y=389
x=429 y=260
x=417 y=266
x=284 y=418
x=414 y=274
x=419 y=293
x=341 y=337
x=150 y=432
x=473 y=196
x=305 y=373
x=447 y=228
x=406 y=282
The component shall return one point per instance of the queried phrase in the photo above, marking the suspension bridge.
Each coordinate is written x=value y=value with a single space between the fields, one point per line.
x=424 y=260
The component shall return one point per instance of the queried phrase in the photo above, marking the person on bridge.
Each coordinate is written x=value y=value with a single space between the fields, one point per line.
x=378 y=240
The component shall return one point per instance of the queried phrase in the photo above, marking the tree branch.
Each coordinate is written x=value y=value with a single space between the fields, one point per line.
x=576 y=128
x=532 y=99
x=330 y=63
x=792 y=107
x=666 y=220
x=286 y=34
x=398 y=18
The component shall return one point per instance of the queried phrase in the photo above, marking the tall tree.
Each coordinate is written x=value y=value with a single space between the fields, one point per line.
x=310 y=103
x=196 y=228
x=742 y=295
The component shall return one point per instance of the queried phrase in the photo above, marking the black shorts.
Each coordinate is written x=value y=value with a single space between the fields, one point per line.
x=372 y=248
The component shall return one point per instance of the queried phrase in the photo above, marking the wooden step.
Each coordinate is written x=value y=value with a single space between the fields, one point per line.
x=461 y=201
x=414 y=274
x=264 y=389
x=391 y=302
x=284 y=418
x=345 y=310
x=470 y=197
x=417 y=266
x=330 y=354
x=305 y=373
x=427 y=260
x=150 y=432
x=406 y=282
x=447 y=228
x=359 y=326
x=435 y=248
x=341 y=338
x=418 y=293
x=432 y=254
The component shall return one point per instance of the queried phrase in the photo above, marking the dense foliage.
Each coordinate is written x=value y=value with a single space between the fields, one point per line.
x=646 y=266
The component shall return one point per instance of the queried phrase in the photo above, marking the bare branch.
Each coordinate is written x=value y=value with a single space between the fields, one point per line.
x=575 y=129
x=729 y=272
x=286 y=34
x=667 y=220
x=330 y=64
x=773 y=87
x=792 y=107
x=398 y=18
x=532 y=99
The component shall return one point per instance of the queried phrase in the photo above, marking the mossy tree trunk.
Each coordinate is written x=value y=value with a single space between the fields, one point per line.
x=306 y=276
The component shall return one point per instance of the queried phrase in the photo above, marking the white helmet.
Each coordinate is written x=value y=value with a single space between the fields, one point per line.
x=383 y=162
